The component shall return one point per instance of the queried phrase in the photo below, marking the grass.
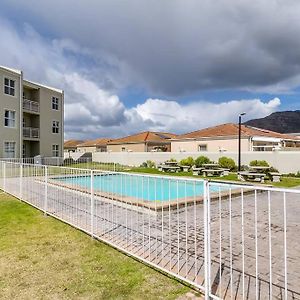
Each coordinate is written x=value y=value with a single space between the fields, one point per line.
x=287 y=182
x=43 y=258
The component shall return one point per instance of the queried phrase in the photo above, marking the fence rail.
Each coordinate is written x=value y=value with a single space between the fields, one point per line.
x=230 y=241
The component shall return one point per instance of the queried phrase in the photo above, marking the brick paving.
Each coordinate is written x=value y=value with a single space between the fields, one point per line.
x=174 y=240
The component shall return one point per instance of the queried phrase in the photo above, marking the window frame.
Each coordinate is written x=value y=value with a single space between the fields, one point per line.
x=55 y=105
x=4 y=149
x=202 y=145
x=7 y=118
x=9 y=86
x=55 y=128
x=55 y=151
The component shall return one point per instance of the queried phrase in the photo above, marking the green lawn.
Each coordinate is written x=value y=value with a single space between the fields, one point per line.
x=286 y=181
x=43 y=258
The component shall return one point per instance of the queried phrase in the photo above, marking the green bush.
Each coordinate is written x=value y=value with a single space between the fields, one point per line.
x=173 y=159
x=227 y=163
x=201 y=160
x=189 y=161
x=150 y=164
x=260 y=163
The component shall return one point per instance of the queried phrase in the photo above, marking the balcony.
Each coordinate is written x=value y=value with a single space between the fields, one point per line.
x=31 y=133
x=31 y=106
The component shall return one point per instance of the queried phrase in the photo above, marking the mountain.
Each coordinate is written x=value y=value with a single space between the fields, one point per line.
x=283 y=122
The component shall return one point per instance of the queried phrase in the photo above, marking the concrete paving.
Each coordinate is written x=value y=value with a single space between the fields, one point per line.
x=241 y=263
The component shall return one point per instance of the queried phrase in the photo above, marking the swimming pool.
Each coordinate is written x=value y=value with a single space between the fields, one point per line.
x=141 y=187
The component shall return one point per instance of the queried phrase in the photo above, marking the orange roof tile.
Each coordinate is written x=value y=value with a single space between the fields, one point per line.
x=94 y=143
x=147 y=136
x=72 y=143
x=231 y=129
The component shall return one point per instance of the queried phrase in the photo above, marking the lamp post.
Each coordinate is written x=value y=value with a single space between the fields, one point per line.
x=240 y=123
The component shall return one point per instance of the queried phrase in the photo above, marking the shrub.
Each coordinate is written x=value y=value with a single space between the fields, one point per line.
x=260 y=163
x=189 y=161
x=227 y=163
x=173 y=159
x=69 y=161
x=150 y=164
x=201 y=160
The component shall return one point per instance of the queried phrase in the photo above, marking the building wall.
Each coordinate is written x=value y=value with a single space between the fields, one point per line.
x=128 y=148
x=87 y=149
x=47 y=115
x=212 y=145
x=43 y=120
x=284 y=161
x=10 y=103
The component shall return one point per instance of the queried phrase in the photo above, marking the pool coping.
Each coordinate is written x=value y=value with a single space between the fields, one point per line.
x=154 y=205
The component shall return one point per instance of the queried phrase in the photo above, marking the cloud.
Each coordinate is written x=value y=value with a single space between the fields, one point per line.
x=91 y=109
x=178 y=47
x=174 y=117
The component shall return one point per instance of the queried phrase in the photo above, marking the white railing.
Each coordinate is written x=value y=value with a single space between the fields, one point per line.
x=31 y=105
x=230 y=241
x=30 y=132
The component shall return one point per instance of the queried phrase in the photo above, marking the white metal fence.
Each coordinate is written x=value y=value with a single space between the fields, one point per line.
x=230 y=241
x=82 y=163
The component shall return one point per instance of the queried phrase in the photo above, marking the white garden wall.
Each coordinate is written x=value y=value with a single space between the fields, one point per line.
x=284 y=161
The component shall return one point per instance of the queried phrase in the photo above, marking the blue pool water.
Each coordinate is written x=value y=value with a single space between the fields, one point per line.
x=147 y=188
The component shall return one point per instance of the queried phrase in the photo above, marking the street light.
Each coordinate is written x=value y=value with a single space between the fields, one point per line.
x=240 y=123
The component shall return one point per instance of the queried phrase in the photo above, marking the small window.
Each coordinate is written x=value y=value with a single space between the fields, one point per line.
x=123 y=149
x=9 y=149
x=55 y=150
x=55 y=103
x=55 y=127
x=202 y=147
x=9 y=87
x=10 y=118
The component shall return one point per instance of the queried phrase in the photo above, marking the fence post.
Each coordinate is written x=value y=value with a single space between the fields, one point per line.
x=206 y=239
x=92 y=203
x=46 y=190
x=4 y=176
x=21 y=181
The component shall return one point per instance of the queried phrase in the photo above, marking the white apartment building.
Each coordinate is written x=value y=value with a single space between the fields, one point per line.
x=31 y=117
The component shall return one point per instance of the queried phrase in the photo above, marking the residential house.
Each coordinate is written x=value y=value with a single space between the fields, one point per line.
x=91 y=146
x=71 y=145
x=225 y=138
x=31 y=115
x=142 y=142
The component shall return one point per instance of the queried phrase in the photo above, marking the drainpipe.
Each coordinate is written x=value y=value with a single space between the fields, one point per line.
x=21 y=116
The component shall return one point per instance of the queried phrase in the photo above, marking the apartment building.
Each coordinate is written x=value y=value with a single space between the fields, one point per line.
x=31 y=117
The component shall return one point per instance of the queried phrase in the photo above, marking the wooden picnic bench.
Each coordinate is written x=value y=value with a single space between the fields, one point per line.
x=251 y=176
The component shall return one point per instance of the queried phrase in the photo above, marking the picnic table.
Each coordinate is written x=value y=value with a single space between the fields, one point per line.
x=251 y=176
x=169 y=166
x=197 y=171
x=213 y=172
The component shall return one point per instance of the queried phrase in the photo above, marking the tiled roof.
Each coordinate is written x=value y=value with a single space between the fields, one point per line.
x=94 y=143
x=147 y=136
x=72 y=143
x=231 y=129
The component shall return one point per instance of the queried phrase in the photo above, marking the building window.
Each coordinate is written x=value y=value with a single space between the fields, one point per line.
x=24 y=151
x=10 y=118
x=55 y=103
x=202 y=147
x=123 y=149
x=9 y=149
x=55 y=150
x=9 y=87
x=55 y=127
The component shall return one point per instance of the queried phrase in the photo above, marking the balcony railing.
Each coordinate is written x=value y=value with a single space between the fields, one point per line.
x=30 y=132
x=31 y=105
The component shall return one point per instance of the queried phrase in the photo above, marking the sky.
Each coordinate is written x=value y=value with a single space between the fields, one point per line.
x=174 y=65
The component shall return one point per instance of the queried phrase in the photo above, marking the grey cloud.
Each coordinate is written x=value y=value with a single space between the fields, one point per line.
x=177 y=47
